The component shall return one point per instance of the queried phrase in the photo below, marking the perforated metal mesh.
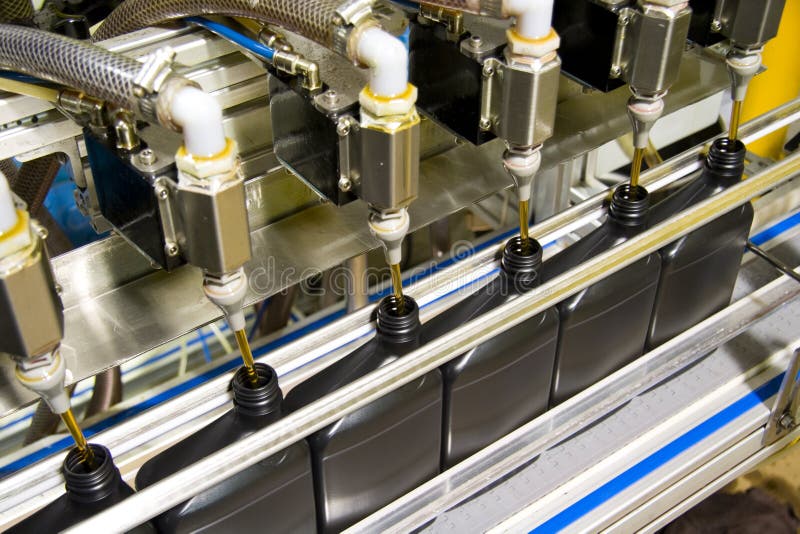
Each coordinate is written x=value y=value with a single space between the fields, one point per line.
x=313 y=19
x=15 y=10
x=91 y=69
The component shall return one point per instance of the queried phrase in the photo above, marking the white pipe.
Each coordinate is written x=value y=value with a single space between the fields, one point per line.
x=533 y=17
x=8 y=212
x=200 y=117
x=387 y=59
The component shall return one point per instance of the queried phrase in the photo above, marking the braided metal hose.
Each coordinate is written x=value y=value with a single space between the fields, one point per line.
x=16 y=11
x=314 y=19
x=33 y=180
x=91 y=69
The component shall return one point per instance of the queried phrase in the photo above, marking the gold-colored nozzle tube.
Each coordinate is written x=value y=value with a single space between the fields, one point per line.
x=80 y=440
x=397 y=284
x=736 y=117
x=247 y=356
x=636 y=166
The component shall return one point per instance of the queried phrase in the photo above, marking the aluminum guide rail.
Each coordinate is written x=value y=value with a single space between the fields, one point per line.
x=217 y=467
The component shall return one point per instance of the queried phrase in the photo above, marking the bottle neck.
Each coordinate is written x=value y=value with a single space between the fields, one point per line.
x=261 y=401
x=396 y=325
x=86 y=485
x=724 y=162
x=521 y=263
x=629 y=206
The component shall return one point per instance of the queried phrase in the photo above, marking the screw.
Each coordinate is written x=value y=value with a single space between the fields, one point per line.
x=616 y=71
x=786 y=421
x=147 y=157
x=485 y=124
x=172 y=249
x=162 y=192
x=476 y=40
x=331 y=96
x=488 y=70
x=716 y=26
x=343 y=127
x=345 y=184
x=624 y=21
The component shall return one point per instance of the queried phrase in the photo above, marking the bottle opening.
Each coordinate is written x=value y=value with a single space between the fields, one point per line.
x=629 y=205
x=725 y=158
x=521 y=261
x=264 y=399
x=401 y=324
x=90 y=485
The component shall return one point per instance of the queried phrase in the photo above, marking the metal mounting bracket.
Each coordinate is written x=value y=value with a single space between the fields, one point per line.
x=786 y=410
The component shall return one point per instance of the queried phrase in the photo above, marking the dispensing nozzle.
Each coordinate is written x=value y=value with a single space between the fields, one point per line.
x=522 y=164
x=742 y=66
x=228 y=292
x=643 y=112
x=390 y=227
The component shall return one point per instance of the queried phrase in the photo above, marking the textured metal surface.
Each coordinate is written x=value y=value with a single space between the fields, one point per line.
x=750 y=23
x=311 y=18
x=69 y=62
x=652 y=47
x=33 y=323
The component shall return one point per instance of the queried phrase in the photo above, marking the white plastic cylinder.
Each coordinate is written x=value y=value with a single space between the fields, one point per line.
x=8 y=213
x=387 y=59
x=534 y=18
x=200 y=117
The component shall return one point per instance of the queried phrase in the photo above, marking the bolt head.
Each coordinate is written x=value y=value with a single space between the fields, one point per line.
x=343 y=127
x=488 y=71
x=163 y=193
x=786 y=421
x=485 y=124
x=616 y=71
x=716 y=26
x=345 y=184
x=172 y=250
x=147 y=157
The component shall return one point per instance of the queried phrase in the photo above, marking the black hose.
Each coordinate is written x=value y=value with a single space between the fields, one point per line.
x=107 y=392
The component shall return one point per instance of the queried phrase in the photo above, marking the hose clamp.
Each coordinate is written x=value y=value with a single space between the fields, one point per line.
x=349 y=15
x=151 y=81
x=155 y=69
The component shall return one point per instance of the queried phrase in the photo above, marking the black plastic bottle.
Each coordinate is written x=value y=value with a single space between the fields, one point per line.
x=385 y=449
x=699 y=270
x=89 y=491
x=275 y=494
x=502 y=384
x=604 y=327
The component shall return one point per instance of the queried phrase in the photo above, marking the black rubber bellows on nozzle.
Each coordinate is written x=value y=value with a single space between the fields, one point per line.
x=87 y=485
x=629 y=205
x=264 y=399
x=521 y=262
x=725 y=160
x=401 y=324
